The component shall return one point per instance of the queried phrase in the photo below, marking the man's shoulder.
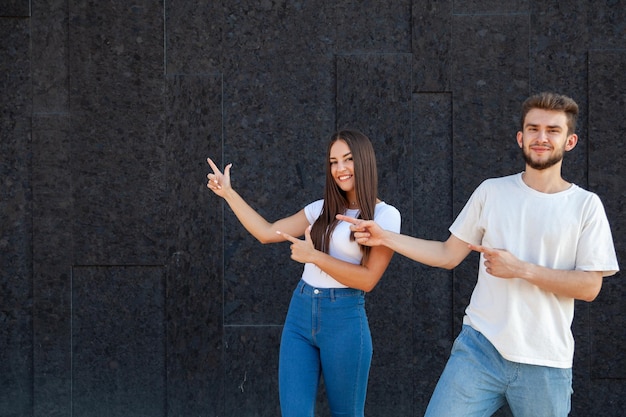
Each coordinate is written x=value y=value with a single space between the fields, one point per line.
x=504 y=181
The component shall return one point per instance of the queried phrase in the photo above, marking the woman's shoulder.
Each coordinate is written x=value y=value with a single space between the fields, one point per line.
x=313 y=210
x=317 y=204
x=384 y=209
x=387 y=216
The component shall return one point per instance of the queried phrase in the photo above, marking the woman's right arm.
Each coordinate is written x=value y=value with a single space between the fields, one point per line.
x=261 y=229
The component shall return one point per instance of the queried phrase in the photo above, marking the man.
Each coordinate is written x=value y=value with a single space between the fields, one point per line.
x=543 y=243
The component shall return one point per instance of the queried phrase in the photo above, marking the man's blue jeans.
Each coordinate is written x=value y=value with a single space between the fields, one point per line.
x=477 y=381
x=325 y=333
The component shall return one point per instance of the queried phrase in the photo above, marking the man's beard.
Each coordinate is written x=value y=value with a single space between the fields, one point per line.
x=541 y=165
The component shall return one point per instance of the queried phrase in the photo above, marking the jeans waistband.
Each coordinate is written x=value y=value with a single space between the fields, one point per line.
x=304 y=288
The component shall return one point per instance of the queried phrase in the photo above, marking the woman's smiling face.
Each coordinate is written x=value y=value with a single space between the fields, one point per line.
x=342 y=165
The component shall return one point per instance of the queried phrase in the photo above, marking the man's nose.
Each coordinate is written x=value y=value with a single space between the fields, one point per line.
x=542 y=135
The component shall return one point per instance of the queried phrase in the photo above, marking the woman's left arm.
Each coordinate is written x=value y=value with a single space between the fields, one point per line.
x=362 y=277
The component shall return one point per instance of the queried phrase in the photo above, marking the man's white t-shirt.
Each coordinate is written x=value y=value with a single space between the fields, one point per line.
x=566 y=230
x=341 y=247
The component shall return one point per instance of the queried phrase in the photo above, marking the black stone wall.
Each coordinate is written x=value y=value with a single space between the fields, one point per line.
x=128 y=289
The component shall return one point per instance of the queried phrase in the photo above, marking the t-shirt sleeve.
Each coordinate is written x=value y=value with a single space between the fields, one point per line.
x=465 y=226
x=595 y=250
x=388 y=218
x=313 y=210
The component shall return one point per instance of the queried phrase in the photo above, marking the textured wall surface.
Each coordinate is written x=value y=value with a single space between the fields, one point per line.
x=129 y=289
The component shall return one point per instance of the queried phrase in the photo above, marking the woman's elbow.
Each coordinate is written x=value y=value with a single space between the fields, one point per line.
x=449 y=265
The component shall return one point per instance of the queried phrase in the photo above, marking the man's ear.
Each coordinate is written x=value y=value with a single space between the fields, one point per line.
x=571 y=142
x=520 y=139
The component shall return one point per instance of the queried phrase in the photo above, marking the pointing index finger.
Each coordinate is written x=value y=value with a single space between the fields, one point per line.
x=479 y=248
x=287 y=236
x=212 y=165
x=347 y=219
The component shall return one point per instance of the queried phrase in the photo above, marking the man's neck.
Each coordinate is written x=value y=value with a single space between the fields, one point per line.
x=547 y=181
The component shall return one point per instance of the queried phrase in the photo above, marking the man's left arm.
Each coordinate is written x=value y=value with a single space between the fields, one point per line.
x=581 y=285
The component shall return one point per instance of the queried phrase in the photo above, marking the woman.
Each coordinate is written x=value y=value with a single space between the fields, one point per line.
x=326 y=330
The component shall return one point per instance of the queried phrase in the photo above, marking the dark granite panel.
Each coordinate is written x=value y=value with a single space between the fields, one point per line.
x=581 y=329
x=16 y=285
x=118 y=175
x=374 y=96
x=15 y=83
x=276 y=30
x=490 y=80
x=278 y=116
x=251 y=374
x=195 y=248
x=604 y=397
x=52 y=208
x=559 y=41
x=373 y=26
x=193 y=36
x=15 y=8
x=205 y=37
x=390 y=392
x=15 y=300
x=431 y=38
x=118 y=341
x=490 y=83
x=15 y=47
x=50 y=49
x=607 y=104
x=490 y=6
x=432 y=214
x=606 y=25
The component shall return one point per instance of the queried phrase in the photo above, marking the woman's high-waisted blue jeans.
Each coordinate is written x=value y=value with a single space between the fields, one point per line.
x=325 y=333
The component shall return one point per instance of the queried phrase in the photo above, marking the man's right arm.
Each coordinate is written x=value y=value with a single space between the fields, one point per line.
x=434 y=253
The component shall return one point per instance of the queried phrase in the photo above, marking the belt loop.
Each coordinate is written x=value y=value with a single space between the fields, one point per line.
x=332 y=294
x=301 y=287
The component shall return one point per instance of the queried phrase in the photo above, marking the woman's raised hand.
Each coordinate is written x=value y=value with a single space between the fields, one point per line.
x=218 y=182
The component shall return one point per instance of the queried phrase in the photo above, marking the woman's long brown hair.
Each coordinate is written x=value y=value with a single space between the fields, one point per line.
x=335 y=201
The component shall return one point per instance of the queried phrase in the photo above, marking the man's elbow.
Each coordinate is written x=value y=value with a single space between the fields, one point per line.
x=593 y=291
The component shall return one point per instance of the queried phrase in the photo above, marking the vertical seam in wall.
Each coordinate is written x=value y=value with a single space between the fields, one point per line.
x=223 y=338
x=164 y=39
x=165 y=105
x=32 y=203
x=69 y=131
x=71 y=341
x=452 y=198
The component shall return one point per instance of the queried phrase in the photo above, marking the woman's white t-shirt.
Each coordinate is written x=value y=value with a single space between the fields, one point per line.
x=341 y=247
